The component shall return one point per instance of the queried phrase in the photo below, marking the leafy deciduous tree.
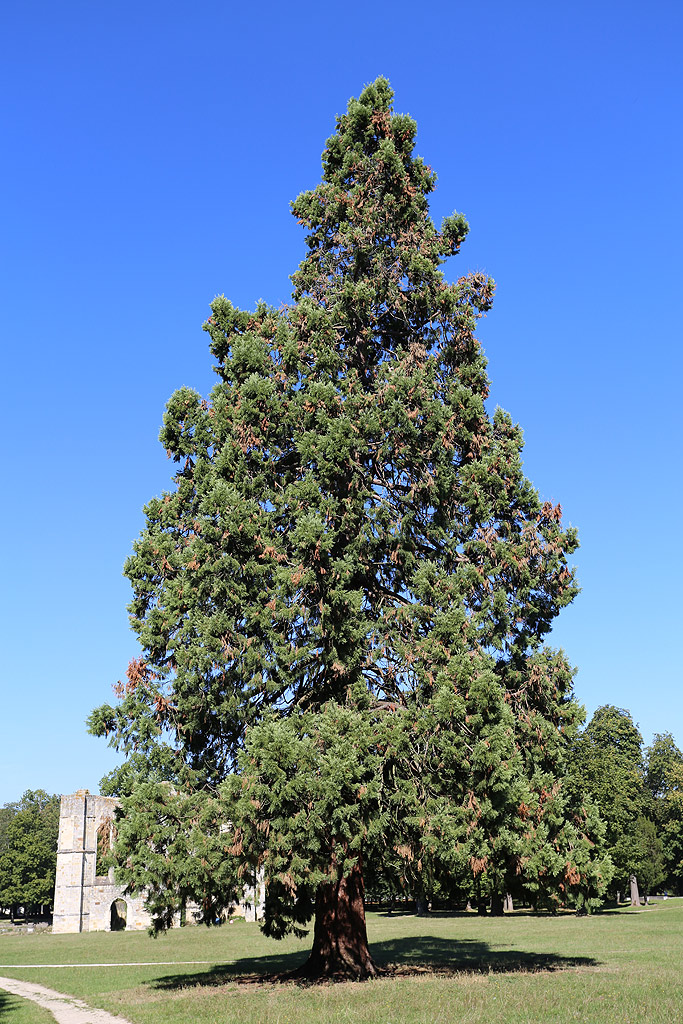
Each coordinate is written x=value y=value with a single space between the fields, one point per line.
x=660 y=757
x=28 y=851
x=664 y=781
x=672 y=826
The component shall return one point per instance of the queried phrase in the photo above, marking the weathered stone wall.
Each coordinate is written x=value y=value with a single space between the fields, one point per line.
x=101 y=899
x=253 y=902
x=83 y=898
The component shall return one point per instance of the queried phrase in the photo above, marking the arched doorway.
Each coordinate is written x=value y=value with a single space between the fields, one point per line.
x=118 y=915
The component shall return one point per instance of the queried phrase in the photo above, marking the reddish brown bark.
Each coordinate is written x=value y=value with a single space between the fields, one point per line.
x=340 y=939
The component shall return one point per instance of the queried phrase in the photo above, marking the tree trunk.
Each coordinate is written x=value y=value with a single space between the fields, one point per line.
x=509 y=905
x=340 y=939
x=635 y=895
x=497 y=905
x=479 y=899
x=421 y=906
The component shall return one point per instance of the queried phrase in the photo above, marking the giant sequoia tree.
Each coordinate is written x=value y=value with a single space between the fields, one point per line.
x=343 y=600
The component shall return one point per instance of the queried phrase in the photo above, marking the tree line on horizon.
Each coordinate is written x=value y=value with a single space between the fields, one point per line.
x=632 y=806
x=29 y=828
x=637 y=793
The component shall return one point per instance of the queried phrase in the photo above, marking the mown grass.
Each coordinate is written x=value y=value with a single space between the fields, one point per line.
x=614 y=968
x=14 y=1010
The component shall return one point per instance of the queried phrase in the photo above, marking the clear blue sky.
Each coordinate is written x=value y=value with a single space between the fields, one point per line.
x=150 y=153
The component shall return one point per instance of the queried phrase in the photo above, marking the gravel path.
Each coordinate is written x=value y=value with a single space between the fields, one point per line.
x=65 y=1009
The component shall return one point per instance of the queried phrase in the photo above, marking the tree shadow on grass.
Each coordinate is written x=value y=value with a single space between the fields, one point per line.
x=622 y=912
x=8 y=1002
x=412 y=955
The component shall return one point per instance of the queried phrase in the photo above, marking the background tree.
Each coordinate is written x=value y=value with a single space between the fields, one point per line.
x=648 y=856
x=341 y=600
x=609 y=759
x=660 y=758
x=672 y=827
x=28 y=851
x=7 y=813
x=551 y=850
x=559 y=858
x=664 y=782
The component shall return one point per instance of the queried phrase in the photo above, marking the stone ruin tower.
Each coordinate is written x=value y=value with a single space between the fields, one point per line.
x=87 y=900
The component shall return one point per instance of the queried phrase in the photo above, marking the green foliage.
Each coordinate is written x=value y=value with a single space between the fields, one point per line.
x=178 y=849
x=664 y=780
x=661 y=757
x=159 y=764
x=611 y=733
x=344 y=597
x=672 y=826
x=28 y=850
x=647 y=859
x=309 y=804
x=608 y=758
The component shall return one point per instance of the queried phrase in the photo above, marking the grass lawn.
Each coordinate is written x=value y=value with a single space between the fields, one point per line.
x=620 y=967
x=14 y=1010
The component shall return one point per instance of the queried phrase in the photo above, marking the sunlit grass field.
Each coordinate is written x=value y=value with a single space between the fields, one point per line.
x=14 y=1010
x=617 y=967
